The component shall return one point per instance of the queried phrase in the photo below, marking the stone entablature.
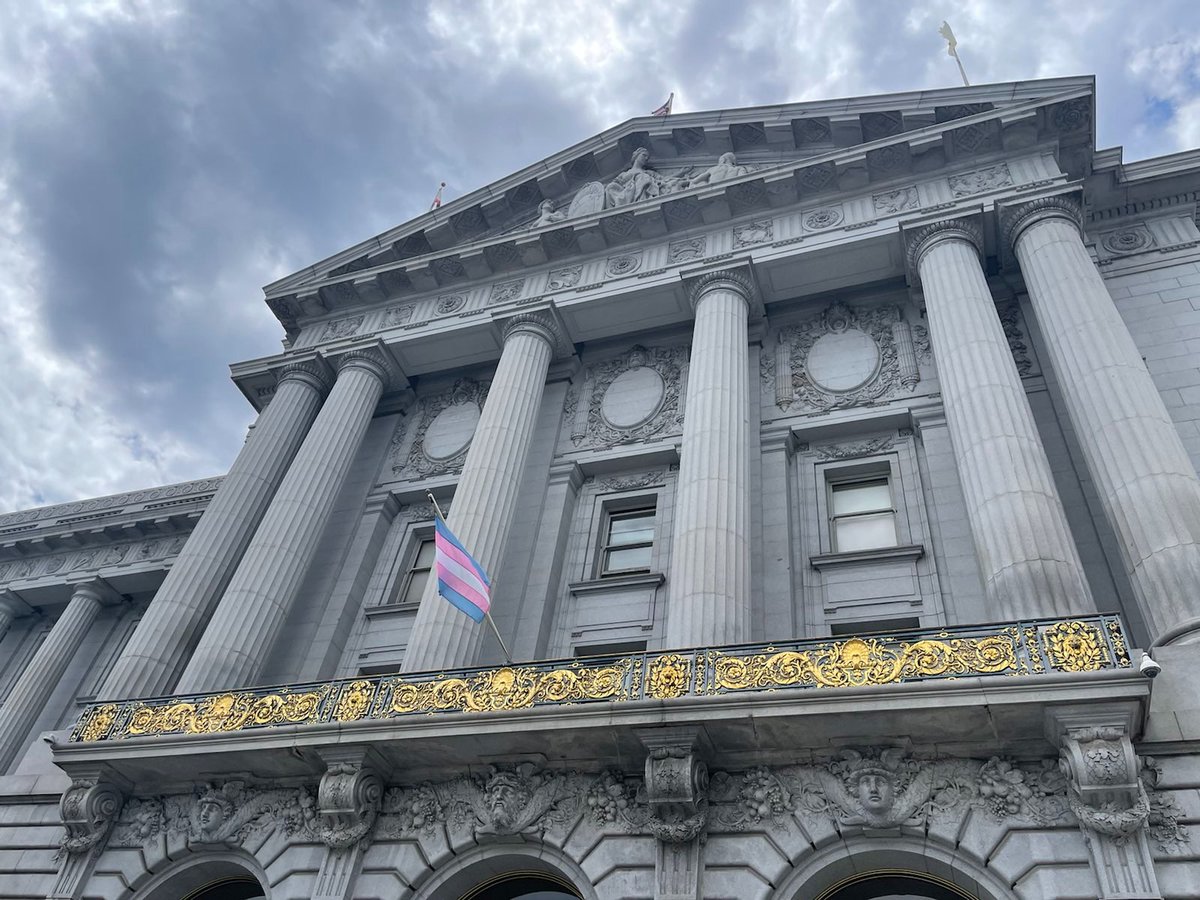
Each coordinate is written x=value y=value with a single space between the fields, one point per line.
x=817 y=223
x=893 y=150
x=145 y=501
x=151 y=553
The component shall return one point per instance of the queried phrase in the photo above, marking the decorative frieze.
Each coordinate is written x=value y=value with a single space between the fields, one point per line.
x=566 y=277
x=625 y=264
x=686 y=250
x=65 y=513
x=342 y=328
x=507 y=291
x=131 y=553
x=753 y=233
x=823 y=218
x=990 y=178
x=450 y=303
x=397 y=315
x=891 y=203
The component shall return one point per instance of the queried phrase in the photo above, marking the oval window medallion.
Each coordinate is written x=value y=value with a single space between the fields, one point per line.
x=842 y=360
x=451 y=430
x=633 y=397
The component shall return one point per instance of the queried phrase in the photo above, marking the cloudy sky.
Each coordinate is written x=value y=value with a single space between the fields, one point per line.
x=161 y=161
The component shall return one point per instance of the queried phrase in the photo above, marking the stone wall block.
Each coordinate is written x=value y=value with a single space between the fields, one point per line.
x=1028 y=558
x=1145 y=480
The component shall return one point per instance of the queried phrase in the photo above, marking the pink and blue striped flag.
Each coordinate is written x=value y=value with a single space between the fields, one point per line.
x=461 y=580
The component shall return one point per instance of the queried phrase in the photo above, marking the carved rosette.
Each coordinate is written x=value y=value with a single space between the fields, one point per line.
x=633 y=397
x=89 y=808
x=842 y=358
x=437 y=443
x=348 y=799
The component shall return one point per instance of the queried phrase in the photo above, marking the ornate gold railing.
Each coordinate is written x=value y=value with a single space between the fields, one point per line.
x=1080 y=645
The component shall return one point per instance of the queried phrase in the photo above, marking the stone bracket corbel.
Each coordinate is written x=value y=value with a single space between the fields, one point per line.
x=1105 y=792
x=349 y=796
x=89 y=808
x=676 y=783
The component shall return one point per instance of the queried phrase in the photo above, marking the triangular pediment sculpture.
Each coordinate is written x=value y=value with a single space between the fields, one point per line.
x=651 y=176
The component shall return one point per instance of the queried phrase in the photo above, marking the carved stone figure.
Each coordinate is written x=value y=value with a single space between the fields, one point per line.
x=726 y=167
x=639 y=182
x=518 y=800
x=548 y=215
x=878 y=791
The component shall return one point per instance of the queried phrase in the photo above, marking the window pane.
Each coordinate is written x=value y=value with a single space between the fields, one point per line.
x=416 y=586
x=861 y=496
x=425 y=554
x=628 y=559
x=631 y=529
x=865 y=532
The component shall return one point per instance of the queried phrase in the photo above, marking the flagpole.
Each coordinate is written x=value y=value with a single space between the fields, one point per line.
x=486 y=615
x=961 y=70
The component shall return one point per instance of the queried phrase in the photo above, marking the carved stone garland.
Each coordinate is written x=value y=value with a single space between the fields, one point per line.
x=600 y=420
x=810 y=361
x=411 y=453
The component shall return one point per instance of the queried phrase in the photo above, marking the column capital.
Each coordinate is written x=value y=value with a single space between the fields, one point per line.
x=1017 y=217
x=313 y=372
x=920 y=239
x=740 y=281
x=97 y=589
x=373 y=358
x=541 y=322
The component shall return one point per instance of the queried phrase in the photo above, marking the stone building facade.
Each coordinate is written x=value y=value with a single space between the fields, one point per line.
x=835 y=467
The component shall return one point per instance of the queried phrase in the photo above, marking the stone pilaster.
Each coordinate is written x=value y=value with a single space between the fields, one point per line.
x=260 y=594
x=1027 y=557
x=163 y=640
x=12 y=606
x=1106 y=795
x=710 y=554
x=31 y=693
x=485 y=500
x=1148 y=488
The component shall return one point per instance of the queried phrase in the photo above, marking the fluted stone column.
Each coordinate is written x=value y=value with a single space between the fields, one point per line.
x=31 y=693
x=1142 y=472
x=163 y=641
x=250 y=615
x=710 y=553
x=485 y=500
x=1027 y=557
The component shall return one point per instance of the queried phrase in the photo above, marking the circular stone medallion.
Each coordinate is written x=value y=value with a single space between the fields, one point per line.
x=633 y=397
x=451 y=430
x=842 y=360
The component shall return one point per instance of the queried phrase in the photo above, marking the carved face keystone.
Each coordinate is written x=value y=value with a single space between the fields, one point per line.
x=876 y=792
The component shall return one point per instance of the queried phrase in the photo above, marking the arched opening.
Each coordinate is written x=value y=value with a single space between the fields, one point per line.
x=524 y=886
x=895 y=885
x=236 y=888
x=216 y=875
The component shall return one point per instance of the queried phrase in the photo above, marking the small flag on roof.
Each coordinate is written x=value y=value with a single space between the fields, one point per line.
x=665 y=109
x=461 y=579
x=437 y=198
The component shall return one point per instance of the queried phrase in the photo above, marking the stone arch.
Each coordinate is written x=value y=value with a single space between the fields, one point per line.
x=188 y=876
x=472 y=869
x=818 y=872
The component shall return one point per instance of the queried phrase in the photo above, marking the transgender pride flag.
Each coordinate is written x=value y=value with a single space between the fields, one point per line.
x=461 y=580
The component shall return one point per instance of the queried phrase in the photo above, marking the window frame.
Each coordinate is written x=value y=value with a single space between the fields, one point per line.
x=835 y=479
x=417 y=539
x=636 y=507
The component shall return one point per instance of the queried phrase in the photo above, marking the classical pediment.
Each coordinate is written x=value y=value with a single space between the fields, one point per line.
x=650 y=177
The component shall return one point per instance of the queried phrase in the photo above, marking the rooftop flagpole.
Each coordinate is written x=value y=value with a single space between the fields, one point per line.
x=486 y=615
x=952 y=49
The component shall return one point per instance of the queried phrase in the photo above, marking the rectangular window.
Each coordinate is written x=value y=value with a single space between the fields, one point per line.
x=628 y=542
x=417 y=575
x=861 y=515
